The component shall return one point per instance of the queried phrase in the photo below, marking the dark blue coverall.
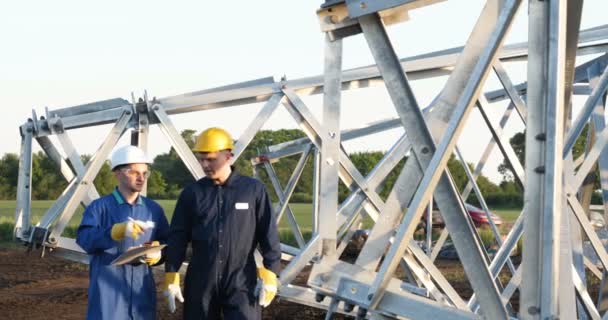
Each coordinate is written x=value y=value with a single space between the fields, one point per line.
x=126 y=291
x=224 y=223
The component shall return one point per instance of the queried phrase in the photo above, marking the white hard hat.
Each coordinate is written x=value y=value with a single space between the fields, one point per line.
x=128 y=154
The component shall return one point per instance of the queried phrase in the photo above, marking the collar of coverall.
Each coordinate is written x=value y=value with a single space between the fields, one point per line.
x=121 y=200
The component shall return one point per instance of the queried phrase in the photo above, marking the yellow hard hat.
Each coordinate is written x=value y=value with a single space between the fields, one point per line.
x=213 y=140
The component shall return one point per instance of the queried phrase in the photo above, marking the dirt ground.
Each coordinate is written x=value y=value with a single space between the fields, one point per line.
x=53 y=288
x=34 y=288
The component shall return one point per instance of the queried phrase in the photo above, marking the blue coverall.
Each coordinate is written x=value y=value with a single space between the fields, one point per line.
x=125 y=291
x=224 y=223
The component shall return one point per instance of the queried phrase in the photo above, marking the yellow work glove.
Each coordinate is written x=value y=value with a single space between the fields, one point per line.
x=131 y=228
x=172 y=290
x=267 y=286
x=153 y=258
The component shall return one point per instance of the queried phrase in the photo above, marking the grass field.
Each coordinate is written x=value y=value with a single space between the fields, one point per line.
x=302 y=213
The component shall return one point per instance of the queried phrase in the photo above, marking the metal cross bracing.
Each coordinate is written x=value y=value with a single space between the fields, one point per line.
x=551 y=278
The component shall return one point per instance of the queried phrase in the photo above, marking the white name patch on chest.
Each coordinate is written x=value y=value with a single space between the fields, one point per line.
x=241 y=206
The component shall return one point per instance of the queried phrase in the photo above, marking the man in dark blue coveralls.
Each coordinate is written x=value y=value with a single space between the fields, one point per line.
x=225 y=217
x=111 y=225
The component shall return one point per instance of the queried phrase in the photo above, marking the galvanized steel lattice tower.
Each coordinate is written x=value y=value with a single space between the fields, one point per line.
x=554 y=223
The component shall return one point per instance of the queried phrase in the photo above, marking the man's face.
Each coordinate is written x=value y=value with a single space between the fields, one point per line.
x=133 y=176
x=214 y=163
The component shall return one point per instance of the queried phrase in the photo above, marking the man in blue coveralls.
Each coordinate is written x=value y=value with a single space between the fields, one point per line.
x=225 y=217
x=111 y=225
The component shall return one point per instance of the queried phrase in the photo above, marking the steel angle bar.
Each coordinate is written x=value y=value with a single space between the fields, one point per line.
x=314 y=131
x=513 y=94
x=484 y=206
x=57 y=207
x=330 y=147
x=359 y=180
x=139 y=138
x=255 y=125
x=24 y=181
x=571 y=250
x=116 y=103
x=356 y=10
x=488 y=150
x=345 y=234
x=596 y=242
x=474 y=261
x=77 y=165
x=307 y=122
x=581 y=74
x=350 y=207
x=592 y=267
x=219 y=99
x=596 y=94
x=395 y=204
x=436 y=276
x=315 y=190
x=598 y=120
x=380 y=171
x=439 y=244
x=583 y=296
x=584 y=196
x=590 y=160
x=86 y=179
x=531 y=259
x=333 y=306
x=503 y=253
x=284 y=201
x=425 y=279
x=547 y=72
x=306 y=296
x=504 y=147
x=293 y=251
x=398 y=302
x=301 y=260
x=88 y=120
x=543 y=193
x=66 y=171
x=429 y=229
x=345 y=135
x=51 y=151
x=513 y=284
x=177 y=142
x=67 y=248
x=291 y=183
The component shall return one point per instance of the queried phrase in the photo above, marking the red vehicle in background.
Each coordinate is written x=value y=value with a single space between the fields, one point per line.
x=477 y=215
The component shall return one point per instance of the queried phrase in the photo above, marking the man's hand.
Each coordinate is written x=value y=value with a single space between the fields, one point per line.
x=153 y=258
x=131 y=228
x=172 y=290
x=267 y=286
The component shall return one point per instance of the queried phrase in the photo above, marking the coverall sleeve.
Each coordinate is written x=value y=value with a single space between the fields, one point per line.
x=92 y=236
x=266 y=232
x=180 y=231
x=162 y=233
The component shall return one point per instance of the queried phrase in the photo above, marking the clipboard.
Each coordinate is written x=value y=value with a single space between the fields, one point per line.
x=132 y=254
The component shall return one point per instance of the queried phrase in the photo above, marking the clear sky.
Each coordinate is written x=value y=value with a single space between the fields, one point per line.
x=65 y=53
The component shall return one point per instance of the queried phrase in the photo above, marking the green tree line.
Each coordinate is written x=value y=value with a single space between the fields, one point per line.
x=169 y=174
